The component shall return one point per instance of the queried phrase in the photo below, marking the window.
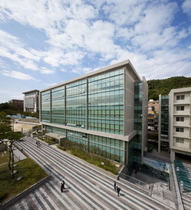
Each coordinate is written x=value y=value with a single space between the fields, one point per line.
x=180 y=119
x=180 y=97
x=179 y=129
x=179 y=140
x=180 y=108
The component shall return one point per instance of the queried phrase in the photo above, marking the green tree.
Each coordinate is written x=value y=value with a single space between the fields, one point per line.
x=12 y=136
x=5 y=124
x=7 y=133
x=164 y=86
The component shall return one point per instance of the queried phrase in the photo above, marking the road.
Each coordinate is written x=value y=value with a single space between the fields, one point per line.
x=86 y=187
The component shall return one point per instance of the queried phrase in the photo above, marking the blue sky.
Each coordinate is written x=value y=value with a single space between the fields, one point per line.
x=46 y=42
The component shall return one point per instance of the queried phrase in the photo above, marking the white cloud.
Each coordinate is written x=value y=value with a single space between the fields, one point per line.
x=44 y=70
x=72 y=58
x=56 y=57
x=81 y=70
x=124 y=12
x=86 y=70
x=3 y=64
x=186 y=6
x=12 y=48
x=52 y=57
x=164 y=64
x=30 y=12
x=100 y=37
x=108 y=30
x=17 y=75
x=153 y=29
x=155 y=18
x=13 y=44
x=82 y=13
x=153 y=41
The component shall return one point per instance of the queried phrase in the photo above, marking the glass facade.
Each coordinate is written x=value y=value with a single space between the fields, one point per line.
x=45 y=107
x=29 y=102
x=93 y=104
x=57 y=107
x=164 y=116
x=135 y=144
x=112 y=149
x=76 y=95
x=96 y=103
x=105 y=102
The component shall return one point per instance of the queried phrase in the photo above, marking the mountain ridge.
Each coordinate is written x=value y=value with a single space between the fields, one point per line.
x=164 y=86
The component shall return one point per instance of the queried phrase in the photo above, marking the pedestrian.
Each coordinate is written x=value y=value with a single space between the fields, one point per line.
x=61 y=187
x=118 y=190
x=114 y=185
x=63 y=182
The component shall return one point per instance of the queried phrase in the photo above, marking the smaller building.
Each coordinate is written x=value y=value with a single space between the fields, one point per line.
x=152 y=122
x=180 y=124
x=175 y=124
x=31 y=101
x=18 y=104
x=153 y=107
x=153 y=112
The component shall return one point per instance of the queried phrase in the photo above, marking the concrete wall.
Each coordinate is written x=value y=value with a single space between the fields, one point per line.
x=24 y=193
x=144 y=114
x=128 y=103
x=179 y=147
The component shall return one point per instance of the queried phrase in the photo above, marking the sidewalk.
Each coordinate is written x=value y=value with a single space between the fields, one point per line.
x=18 y=155
x=161 y=154
x=86 y=163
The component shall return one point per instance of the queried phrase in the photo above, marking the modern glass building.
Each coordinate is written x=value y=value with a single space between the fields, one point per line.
x=103 y=112
x=31 y=101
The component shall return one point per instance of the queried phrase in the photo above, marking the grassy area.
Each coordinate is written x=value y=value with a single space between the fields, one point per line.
x=10 y=187
x=4 y=157
x=49 y=141
x=88 y=157
x=93 y=159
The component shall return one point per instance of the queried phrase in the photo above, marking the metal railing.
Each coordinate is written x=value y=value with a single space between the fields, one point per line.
x=136 y=182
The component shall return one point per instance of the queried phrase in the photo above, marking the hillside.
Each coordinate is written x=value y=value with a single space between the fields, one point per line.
x=163 y=86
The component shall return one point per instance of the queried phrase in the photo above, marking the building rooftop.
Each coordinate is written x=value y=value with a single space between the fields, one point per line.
x=30 y=91
x=122 y=64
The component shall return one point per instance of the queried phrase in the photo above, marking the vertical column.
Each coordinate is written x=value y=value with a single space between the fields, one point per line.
x=189 y=120
x=24 y=104
x=126 y=149
x=159 y=124
x=40 y=106
x=87 y=107
x=171 y=124
x=144 y=116
x=50 y=106
x=64 y=105
x=124 y=102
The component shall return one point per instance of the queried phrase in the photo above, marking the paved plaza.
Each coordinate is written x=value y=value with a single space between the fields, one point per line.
x=87 y=187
